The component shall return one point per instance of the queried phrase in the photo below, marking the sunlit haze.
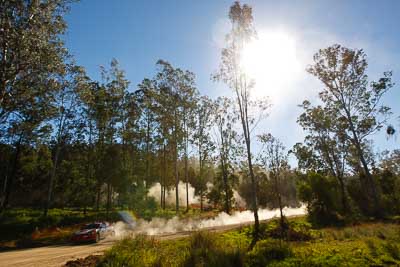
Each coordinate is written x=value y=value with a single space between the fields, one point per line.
x=191 y=35
x=271 y=60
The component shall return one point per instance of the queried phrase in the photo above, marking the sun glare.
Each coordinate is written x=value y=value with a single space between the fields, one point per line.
x=271 y=61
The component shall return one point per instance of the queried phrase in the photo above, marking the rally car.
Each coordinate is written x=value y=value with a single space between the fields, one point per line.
x=93 y=232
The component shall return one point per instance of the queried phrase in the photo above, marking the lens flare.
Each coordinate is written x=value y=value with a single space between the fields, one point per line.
x=272 y=62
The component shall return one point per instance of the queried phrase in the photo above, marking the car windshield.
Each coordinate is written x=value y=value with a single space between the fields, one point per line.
x=92 y=226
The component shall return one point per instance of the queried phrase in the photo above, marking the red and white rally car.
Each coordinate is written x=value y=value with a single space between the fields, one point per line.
x=93 y=232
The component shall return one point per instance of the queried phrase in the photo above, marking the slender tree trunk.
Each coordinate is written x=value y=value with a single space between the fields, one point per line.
x=161 y=195
x=164 y=177
x=5 y=184
x=161 y=187
x=88 y=167
x=224 y=173
x=279 y=197
x=254 y=192
x=98 y=197
x=201 y=177
x=343 y=195
x=176 y=165
x=9 y=185
x=282 y=217
x=186 y=168
x=187 y=195
x=111 y=198
x=242 y=101
x=108 y=199
x=335 y=169
x=3 y=193
x=254 y=186
x=201 y=189
x=52 y=178
x=164 y=200
x=147 y=153
x=176 y=185
x=226 y=186
x=371 y=186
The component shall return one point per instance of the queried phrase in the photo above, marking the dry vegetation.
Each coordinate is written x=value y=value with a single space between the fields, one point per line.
x=367 y=244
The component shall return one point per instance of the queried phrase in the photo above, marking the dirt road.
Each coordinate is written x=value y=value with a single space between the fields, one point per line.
x=59 y=255
x=52 y=255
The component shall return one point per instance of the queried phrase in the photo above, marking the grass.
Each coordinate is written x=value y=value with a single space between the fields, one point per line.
x=369 y=244
x=27 y=227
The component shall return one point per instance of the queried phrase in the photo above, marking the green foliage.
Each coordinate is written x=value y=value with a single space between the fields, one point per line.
x=320 y=193
x=139 y=251
x=148 y=208
x=201 y=249
x=144 y=206
x=390 y=185
x=374 y=244
x=393 y=249
x=221 y=194
x=267 y=196
x=292 y=230
x=166 y=213
x=267 y=251
x=206 y=251
x=19 y=223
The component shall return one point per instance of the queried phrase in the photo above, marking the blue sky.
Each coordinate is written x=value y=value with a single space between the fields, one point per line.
x=189 y=34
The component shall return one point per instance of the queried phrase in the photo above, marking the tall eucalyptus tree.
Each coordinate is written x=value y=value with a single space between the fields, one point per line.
x=347 y=92
x=232 y=73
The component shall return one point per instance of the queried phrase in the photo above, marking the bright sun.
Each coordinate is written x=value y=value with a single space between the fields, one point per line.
x=271 y=61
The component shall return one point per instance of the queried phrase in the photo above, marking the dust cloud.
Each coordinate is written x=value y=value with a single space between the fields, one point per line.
x=158 y=226
x=155 y=192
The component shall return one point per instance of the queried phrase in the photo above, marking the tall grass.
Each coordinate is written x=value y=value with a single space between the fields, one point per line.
x=376 y=244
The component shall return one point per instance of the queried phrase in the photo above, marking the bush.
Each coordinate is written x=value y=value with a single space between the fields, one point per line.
x=267 y=251
x=321 y=193
x=205 y=251
x=20 y=223
x=144 y=206
x=390 y=185
x=295 y=230
x=139 y=251
x=393 y=249
x=201 y=249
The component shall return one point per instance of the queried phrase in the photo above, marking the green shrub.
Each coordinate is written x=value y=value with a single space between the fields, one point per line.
x=205 y=251
x=295 y=230
x=267 y=251
x=321 y=193
x=146 y=208
x=393 y=249
x=139 y=251
x=20 y=223
x=372 y=247
x=390 y=198
x=350 y=246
